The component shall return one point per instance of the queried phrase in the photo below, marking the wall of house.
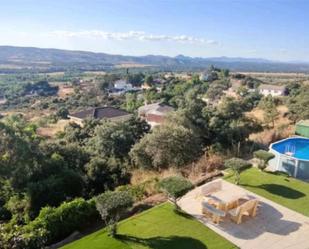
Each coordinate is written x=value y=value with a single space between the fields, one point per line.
x=273 y=93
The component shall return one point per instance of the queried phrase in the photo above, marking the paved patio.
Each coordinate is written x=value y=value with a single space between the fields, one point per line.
x=274 y=227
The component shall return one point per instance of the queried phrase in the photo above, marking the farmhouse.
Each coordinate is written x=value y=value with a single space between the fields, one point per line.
x=109 y=113
x=272 y=90
x=155 y=113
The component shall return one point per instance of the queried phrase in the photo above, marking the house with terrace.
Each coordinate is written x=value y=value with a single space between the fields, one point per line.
x=109 y=113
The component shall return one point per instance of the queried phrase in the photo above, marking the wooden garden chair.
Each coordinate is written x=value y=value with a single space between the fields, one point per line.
x=248 y=208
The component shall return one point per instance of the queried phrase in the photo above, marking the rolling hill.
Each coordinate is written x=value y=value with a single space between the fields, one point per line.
x=15 y=59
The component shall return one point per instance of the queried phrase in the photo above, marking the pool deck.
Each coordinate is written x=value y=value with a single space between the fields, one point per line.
x=274 y=227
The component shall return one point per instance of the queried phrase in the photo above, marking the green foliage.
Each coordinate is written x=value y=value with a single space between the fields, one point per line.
x=264 y=156
x=62 y=113
x=54 y=189
x=135 y=79
x=270 y=110
x=105 y=174
x=111 y=205
x=149 y=80
x=52 y=225
x=115 y=139
x=175 y=187
x=132 y=102
x=237 y=165
x=216 y=89
x=141 y=190
x=165 y=146
x=298 y=104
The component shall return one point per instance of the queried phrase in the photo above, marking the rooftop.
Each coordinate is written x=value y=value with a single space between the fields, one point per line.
x=100 y=113
x=272 y=87
x=156 y=108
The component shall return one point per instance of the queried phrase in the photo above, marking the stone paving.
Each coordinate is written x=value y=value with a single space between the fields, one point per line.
x=274 y=227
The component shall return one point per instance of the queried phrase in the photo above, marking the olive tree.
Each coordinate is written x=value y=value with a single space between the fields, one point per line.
x=237 y=165
x=264 y=157
x=111 y=205
x=175 y=187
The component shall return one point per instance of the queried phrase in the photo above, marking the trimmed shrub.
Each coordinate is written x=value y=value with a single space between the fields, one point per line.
x=264 y=157
x=175 y=187
x=111 y=205
x=237 y=165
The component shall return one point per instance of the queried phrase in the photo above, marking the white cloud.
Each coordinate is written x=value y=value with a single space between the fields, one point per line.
x=131 y=35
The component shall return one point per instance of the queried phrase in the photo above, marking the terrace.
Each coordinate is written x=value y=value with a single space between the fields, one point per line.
x=273 y=227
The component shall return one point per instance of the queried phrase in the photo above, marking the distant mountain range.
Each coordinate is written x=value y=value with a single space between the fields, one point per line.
x=16 y=59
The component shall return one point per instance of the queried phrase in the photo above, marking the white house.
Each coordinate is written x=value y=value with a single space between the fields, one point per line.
x=272 y=90
x=122 y=85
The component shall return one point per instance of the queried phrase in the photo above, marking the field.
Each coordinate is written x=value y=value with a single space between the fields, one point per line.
x=278 y=78
x=159 y=228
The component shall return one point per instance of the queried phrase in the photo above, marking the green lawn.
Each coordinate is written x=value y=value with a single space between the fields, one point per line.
x=287 y=191
x=158 y=228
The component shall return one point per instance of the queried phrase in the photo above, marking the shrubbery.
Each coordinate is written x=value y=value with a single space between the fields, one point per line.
x=264 y=157
x=52 y=225
x=175 y=187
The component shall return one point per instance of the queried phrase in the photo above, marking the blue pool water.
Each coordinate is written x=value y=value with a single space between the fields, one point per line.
x=297 y=147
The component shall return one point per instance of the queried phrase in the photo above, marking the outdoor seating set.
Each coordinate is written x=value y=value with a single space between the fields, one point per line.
x=219 y=203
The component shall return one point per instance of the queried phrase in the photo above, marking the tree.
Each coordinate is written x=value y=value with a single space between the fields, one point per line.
x=237 y=165
x=105 y=174
x=264 y=157
x=175 y=187
x=115 y=139
x=111 y=205
x=62 y=113
x=135 y=79
x=167 y=145
x=132 y=102
x=149 y=80
x=270 y=110
x=298 y=105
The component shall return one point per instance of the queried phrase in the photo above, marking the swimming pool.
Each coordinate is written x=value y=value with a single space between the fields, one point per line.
x=295 y=147
x=291 y=156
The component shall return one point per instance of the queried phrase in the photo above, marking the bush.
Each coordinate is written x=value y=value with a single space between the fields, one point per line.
x=111 y=206
x=140 y=191
x=264 y=157
x=65 y=219
x=237 y=165
x=175 y=187
x=52 y=225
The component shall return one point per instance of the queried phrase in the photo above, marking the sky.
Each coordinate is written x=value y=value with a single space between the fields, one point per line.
x=271 y=29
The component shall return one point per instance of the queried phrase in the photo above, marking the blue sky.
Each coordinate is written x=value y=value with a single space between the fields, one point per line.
x=273 y=29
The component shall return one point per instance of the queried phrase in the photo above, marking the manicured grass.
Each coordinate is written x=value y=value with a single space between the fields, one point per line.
x=287 y=191
x=159 y=228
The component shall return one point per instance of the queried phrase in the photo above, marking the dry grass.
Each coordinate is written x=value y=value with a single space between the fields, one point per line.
x=207 y=163
x=65 y=91
x=283 y=126
x=141 y=175
x=53 y=129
